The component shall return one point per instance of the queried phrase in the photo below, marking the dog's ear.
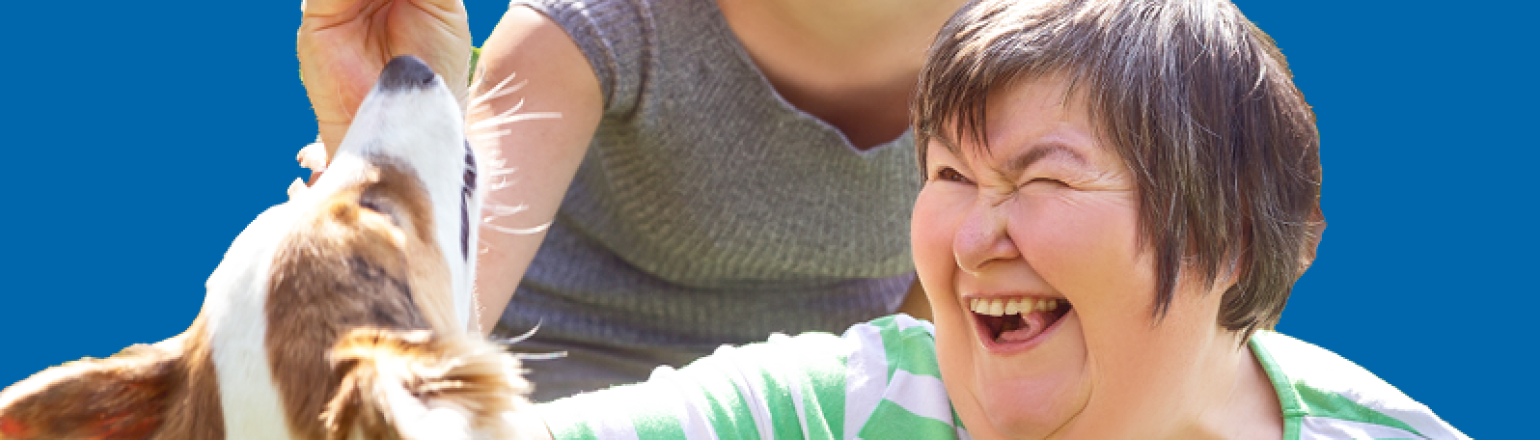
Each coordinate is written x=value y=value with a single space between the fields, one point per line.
x=415 y=385
x=122 y=396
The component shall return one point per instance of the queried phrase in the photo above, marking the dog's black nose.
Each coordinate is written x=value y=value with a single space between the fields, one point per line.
x=405 y=72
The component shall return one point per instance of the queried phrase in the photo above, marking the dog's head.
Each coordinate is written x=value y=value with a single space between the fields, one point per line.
x=405 y=160
x=344 y=310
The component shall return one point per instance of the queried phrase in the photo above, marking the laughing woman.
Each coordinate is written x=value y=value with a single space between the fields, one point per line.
x=1118 y=198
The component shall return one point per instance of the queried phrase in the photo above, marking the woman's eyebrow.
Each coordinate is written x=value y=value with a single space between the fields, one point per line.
x=948 y=144
x=1040 y=151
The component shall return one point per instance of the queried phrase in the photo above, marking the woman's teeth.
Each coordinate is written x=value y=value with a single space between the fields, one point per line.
x=1002 y=307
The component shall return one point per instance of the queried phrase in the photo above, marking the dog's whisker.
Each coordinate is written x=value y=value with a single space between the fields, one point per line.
x=498 y=211
x=514 y=109
x=522 y=337
x=503 y=117
x=480 y=81
x=509 y=119
x=502 y=182
x=502 y=210
x=540 y=356
x=498 y=91
x=490 y=136
x=508 y=342
x=494 y=218
x=518 y=231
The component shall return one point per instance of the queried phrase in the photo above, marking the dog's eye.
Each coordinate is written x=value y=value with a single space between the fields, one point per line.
x=370 y=204
x=379 y=206
x=384 y=208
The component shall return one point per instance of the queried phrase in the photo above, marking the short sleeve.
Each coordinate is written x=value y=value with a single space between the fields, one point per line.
x=615 y=36
x=787 y=387
x=865 y=383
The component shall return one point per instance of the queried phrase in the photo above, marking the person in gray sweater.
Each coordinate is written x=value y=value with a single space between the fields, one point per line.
x=720 y=170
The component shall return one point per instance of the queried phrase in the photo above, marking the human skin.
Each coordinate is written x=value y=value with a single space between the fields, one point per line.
x=344 y=44
x=993 y=224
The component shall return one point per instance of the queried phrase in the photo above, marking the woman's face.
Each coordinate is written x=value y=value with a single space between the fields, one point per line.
x=1046 y=220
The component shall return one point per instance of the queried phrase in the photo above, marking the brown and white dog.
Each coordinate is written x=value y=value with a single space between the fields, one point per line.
x=340 y=314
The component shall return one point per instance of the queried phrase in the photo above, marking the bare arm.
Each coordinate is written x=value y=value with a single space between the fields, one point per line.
x=536 y=158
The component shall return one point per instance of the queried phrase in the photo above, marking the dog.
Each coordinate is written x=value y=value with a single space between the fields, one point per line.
x=341 y=313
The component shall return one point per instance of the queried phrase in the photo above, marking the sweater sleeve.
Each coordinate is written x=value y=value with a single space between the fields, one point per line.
x=815 y=386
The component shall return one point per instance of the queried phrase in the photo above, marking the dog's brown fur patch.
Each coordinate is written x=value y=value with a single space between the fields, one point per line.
x=367 y=258
x=390 y=378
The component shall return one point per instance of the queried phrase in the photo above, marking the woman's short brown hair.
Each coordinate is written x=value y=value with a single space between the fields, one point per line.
x=1198 y=103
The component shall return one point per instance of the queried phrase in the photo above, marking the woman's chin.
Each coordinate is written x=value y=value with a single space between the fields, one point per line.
x=1033 y=393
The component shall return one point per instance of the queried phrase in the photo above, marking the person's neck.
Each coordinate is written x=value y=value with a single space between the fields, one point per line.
x=838 y=43
x=1242 y=404
x=852 y=25
x=853 y=63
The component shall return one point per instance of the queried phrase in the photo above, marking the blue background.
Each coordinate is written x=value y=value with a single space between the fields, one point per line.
x=139 y=138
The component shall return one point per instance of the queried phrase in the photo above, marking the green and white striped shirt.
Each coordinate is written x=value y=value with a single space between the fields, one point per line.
x=1326 y=396
x=880 y=380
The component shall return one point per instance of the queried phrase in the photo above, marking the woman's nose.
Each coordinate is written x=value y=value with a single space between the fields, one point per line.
x=982 y=238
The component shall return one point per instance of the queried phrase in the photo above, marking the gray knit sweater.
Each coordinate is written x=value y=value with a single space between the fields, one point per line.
x=708 y=210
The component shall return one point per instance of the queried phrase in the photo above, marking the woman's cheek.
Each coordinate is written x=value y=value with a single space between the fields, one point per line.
x=1082 y=243
x=936 y=214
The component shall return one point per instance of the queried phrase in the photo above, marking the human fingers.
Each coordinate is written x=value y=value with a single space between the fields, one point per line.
x=343 y=45
x=437 y=32
x=339 y=52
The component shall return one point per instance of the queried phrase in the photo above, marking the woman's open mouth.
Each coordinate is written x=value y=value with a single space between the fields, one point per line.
x=1017 y=321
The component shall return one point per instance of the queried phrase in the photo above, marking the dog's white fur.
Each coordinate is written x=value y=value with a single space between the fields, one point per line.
x=238 y=287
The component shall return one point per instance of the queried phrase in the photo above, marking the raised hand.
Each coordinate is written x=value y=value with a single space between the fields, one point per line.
x=344 y=44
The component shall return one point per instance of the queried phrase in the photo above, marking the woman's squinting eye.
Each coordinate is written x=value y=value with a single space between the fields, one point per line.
x=951 y=175
x=1046 y=180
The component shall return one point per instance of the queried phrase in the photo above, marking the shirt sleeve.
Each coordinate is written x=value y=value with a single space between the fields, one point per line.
x=815 y=385
x=615 y=37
